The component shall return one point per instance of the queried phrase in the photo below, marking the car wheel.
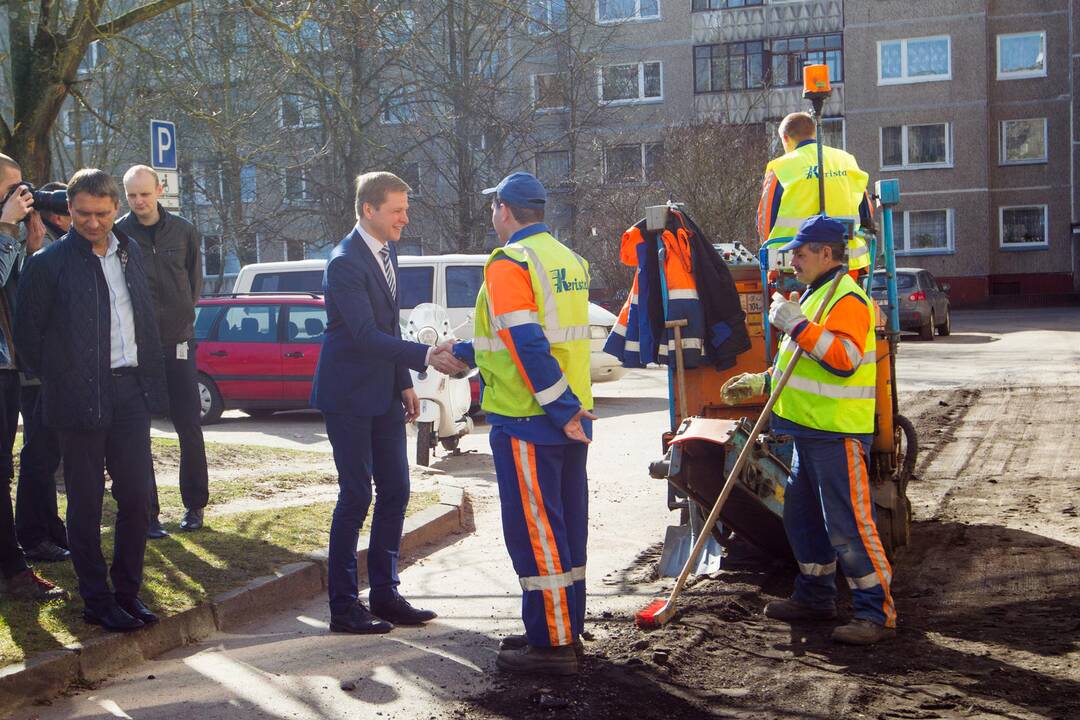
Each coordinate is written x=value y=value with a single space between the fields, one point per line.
x=260 y=413
x=926 y=332
x=210 y=404
x=946 y=327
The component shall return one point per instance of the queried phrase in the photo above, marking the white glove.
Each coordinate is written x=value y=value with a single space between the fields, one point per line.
x=785 y=314
x=743 y=387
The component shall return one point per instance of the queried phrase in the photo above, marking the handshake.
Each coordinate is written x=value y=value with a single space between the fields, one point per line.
x=442 y=358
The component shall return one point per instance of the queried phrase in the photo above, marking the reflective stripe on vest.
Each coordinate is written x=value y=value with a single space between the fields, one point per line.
x=560 y=284
x=819 y=399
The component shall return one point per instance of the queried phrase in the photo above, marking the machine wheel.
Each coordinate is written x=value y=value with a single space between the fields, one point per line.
x=450 y=444
x=946 y=327
x=259 y=413
x=425 y=442
x=926 y=332
x=909 y=452
x=210 y=403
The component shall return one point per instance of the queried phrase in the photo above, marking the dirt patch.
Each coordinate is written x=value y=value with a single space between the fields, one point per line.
x=988 y=598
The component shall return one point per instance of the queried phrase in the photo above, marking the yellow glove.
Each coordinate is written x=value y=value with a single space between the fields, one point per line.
x=743 y=387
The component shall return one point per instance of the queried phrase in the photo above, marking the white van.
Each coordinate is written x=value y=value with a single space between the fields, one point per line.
x=448 y=280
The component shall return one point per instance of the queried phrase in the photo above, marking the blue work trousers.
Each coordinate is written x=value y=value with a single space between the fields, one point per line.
x=544 y=495
x=829 y=517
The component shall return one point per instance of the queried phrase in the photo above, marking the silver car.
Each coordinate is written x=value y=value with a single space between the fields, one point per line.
x=924 y=302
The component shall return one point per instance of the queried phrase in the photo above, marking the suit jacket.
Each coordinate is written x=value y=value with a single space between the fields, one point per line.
x=364 y=363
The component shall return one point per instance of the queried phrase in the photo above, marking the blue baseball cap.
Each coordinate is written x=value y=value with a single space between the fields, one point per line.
x=520 y=189
x=818 y=229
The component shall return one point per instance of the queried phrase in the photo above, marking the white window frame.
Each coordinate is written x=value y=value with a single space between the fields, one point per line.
x=636 y=17
x=843 y=127
x=536 y=166
x=305 y=186
x=640 y=99
x=537 y=27
x=904 y=79
x=304 y=110
x=69 y=132
x=1045 y=244
x=950 y=231
x=1003 y=157
x=1020 y=74
x=90 y=58
x=643 y=171
x=387 y=114
x=535 y=85
x=254 y=183
x=905 y=165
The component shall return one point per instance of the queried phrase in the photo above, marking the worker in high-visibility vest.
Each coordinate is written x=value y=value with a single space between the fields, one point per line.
x=531 y=343
x=789 y=193
x=827 y=406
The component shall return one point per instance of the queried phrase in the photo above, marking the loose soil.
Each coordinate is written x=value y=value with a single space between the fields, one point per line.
x=988 y=598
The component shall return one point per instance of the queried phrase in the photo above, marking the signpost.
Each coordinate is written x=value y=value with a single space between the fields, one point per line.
x=163 y=160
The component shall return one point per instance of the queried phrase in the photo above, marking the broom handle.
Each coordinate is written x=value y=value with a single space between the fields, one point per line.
x=744 y=455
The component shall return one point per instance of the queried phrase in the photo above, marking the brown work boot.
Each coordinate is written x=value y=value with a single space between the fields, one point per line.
x=516 y=642
x=549 y=661
x=794 y=611
x=862 y=632
x=28 y=586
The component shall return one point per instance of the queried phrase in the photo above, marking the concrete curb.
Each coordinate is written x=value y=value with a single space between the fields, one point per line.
x=48 y=674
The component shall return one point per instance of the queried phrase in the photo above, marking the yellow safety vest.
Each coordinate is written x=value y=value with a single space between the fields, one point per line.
x=560 y=283
x=845 y=185
x=819 y=399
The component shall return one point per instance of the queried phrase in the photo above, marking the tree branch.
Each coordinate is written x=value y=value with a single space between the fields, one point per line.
x=135 y=16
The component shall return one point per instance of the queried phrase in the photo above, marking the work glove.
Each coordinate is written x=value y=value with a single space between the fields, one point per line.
x=743 y=387
x=785 y=314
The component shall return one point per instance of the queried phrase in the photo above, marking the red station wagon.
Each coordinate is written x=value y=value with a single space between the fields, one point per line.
x=257 y=352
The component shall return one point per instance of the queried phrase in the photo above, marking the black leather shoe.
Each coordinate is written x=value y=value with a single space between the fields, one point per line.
x=400 y=612
x=155 y=531
x=192 y=520
x=136 y=609
x=359 y=621
x=47 y=551
x=112 y=618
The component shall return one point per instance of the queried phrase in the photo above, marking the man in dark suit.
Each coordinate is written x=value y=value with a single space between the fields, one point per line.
x=363 y=387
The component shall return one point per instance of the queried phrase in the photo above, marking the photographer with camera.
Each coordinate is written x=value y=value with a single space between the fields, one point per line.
x=38 y=525
x=18 y=580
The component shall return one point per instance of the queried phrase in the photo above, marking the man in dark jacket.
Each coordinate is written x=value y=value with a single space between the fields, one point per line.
x=85 y=325
x=170 y=246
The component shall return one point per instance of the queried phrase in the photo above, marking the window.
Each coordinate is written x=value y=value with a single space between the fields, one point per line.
x=632 y=163
x=1023 y=141
x=699 y=5
x=916 y=146
x=397 y=107
x=1023 y=227
x=463 y=284
x=299 y=112
x=249 y=323
x=553 y=168
x=410 y=246
x=924 y=232
x=294 y=250
x=546 y=16
x=247 y=183
x=306 y=324
x=549 y=92
x=1021 y=55
x=914 y=60
x=297 y=185
x=410 y=173
x=83 y=128
x=94 y=55
x=205 y=315
x=777 y=63
x=396 y=27
x=637 y=82
x=211 y=255
x=619 y=10
x=297 y=281
x=415 y=285
x=832 y=132
x=206 y=188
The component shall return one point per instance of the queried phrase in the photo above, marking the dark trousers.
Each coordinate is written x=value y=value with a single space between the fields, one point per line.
x=366 y=449
x=36 y=517
x=123 y=449
x=12 y=560
x=184 y=413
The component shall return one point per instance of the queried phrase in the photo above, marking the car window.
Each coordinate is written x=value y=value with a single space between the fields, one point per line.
x=306 y=324
x=415 y=285
x=904 y=281
x=931 y=281
x=463 y=284
x=205 y=315
x=303 y=281
x=249 y=323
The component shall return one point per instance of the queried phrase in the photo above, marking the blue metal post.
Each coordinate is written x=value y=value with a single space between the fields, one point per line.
x=890 y=270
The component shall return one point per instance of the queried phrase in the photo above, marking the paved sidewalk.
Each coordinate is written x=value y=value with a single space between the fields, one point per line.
x=288 y=666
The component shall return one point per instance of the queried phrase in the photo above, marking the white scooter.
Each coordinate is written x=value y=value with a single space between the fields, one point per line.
x=444 y=400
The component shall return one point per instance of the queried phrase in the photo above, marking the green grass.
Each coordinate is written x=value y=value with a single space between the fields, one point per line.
x=181 y=571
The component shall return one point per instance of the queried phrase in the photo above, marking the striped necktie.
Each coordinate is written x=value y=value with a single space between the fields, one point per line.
x=388 y=269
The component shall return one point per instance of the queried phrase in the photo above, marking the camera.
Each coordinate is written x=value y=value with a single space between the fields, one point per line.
x=51 y=201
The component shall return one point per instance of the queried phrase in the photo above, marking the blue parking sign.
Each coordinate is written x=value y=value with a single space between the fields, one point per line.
x=163 y=144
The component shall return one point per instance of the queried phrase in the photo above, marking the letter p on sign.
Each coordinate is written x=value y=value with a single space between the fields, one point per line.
x=163 y=144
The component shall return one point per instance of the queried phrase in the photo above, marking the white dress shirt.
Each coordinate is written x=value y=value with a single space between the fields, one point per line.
x=124 y=351
x=376 y=249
